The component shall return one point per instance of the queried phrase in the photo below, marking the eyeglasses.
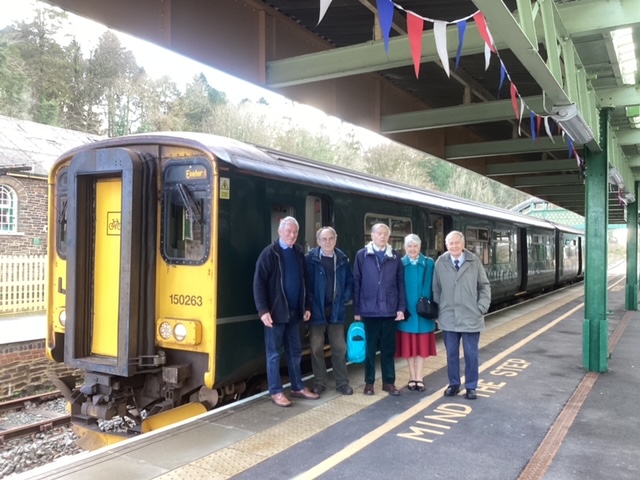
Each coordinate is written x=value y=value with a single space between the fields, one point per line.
x=327 y=239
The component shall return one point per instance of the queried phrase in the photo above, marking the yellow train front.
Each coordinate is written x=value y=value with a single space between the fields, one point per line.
x=133 y=280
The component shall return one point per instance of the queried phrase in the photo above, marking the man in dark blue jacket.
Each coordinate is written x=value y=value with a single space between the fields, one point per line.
x=379 y=299
x=331 y=285
x=281 y=293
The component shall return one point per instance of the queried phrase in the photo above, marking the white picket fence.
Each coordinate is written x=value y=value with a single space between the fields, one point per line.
x=22 y=283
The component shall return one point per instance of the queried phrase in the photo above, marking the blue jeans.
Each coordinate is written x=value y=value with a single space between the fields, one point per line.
x=470 y=342
x=285 y=335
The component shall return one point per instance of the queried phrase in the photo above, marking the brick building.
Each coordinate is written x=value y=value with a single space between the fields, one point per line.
x=27 y=152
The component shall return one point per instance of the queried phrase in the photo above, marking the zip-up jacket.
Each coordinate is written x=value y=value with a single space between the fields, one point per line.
x=378 y=288
x=342 y=286
x=268 y=284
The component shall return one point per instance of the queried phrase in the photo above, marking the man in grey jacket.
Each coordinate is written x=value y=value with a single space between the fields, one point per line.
x=462 y=291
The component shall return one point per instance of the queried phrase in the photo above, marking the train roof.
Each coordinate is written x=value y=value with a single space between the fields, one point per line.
x=272 y=163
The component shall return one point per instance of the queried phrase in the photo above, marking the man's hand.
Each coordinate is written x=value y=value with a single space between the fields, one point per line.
x=399 y=316
x=266 y=319
x=307 y=315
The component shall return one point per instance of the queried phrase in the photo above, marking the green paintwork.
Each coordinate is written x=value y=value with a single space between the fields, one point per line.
x=594 y=355
x=631 y=297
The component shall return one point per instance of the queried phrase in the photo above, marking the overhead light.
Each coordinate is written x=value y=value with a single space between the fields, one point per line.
x=615 y=178
x=568 y=117
x=633 y=114
x=625 y=53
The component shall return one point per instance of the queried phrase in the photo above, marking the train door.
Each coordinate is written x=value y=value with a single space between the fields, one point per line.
x=317 y=214
x=111 y=224
x=439 y=226
x=523 y=258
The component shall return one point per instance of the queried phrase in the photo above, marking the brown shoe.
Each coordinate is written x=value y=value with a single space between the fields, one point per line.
x=391 y=389
x=305 y=393
x=368 y=389
x=280 y=400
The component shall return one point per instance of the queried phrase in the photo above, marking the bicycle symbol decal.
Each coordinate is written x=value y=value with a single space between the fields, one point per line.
x=113 y=223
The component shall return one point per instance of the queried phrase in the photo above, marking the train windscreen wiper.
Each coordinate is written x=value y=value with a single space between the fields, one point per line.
x=193 y=208
x=62 y=214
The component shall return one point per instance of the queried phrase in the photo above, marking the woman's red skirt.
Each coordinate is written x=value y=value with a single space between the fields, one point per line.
x=415 y=345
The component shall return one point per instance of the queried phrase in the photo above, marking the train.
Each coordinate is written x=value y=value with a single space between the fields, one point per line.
x=152 y=244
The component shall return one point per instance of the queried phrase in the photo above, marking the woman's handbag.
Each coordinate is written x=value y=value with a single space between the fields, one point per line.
x=426 y=308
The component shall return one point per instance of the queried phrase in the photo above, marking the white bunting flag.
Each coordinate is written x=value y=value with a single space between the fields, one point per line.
x=440 y=35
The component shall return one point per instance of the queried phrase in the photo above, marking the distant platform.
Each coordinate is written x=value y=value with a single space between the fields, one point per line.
x=23 y=327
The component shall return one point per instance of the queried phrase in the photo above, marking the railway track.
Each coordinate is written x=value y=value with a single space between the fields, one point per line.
x=52 y=421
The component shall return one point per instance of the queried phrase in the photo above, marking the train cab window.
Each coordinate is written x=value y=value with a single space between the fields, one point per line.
x=61 y=213
x=477 y=242
x=186 y=207
x=501 y=243
x=400 y=228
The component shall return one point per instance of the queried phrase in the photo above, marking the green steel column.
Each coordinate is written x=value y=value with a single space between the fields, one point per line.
x=631 y=297
x=595 y=327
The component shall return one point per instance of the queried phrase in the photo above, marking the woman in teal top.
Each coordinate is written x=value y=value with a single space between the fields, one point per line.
x=415 y=338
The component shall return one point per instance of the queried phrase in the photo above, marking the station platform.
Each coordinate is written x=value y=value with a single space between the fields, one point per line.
x=23 y=327
x=538 y=415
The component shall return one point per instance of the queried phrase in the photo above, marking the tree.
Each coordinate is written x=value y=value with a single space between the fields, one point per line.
x=198 y=103
x=15 y=97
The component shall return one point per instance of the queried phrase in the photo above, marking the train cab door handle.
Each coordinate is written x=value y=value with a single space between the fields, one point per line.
x=60 y=289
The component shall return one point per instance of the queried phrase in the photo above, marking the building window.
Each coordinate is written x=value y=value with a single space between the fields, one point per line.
x=8 y=210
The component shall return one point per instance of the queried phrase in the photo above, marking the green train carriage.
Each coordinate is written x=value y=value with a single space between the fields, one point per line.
x=153 y=243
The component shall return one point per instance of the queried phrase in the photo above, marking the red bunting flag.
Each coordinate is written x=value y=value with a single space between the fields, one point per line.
x=514 y=100
x=415 y=26
x=484 y=30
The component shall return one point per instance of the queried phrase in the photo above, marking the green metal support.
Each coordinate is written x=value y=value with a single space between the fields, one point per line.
x=631 y=297
x=596 y=325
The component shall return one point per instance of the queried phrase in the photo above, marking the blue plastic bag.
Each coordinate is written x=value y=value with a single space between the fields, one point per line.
x=356 y=343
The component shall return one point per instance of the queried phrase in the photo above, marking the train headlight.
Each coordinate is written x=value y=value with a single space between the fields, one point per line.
x=174 y=332
x=63 y=317
x=165 y=330
x=180 y=332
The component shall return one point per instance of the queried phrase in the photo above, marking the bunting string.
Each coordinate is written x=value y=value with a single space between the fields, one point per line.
x=415 y=31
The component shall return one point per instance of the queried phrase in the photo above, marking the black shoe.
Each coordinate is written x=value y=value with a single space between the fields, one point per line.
x=318 y=389
x=452 y=390
x=471 y=394
x=345 y=389
x=368 y=389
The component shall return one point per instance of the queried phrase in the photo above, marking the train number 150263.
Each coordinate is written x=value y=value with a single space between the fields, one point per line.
x=189 y=300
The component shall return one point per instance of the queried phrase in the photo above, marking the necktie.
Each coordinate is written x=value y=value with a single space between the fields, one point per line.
x=457 y=264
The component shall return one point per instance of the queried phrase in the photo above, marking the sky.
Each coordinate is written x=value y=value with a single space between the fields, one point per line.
x=158 y=61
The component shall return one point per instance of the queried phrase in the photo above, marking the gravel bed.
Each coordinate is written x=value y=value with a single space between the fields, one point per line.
x=25 y=453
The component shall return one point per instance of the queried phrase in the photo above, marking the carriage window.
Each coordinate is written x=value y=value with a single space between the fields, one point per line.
x=477 y=242
x=400 y=228
x=61 y=214
x=186 y=213
x=501 y=246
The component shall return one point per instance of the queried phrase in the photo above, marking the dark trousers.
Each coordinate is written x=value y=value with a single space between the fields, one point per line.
x=381 y=334
x=285 y=335
x=470 y=342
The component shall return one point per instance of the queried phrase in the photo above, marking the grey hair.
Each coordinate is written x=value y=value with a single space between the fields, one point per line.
x=379 y=225
x=453 y=233
x=412 y=238
x=321 y=229
x=286 y=220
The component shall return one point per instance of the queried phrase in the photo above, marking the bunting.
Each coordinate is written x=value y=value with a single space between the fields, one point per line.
x=415 y=27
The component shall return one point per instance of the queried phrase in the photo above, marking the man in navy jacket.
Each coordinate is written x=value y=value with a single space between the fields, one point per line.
x=281 y=293
x=331 y=284
x=379 y=299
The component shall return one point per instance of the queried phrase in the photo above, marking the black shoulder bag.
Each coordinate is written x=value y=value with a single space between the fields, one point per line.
x=426 y=308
